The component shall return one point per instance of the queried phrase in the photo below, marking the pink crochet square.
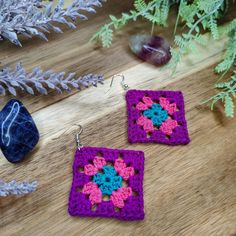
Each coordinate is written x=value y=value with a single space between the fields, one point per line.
x=157 y=117
x=107 y=183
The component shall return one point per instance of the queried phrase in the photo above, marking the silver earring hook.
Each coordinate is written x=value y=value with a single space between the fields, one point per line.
x=77 y=137
x=123 y=84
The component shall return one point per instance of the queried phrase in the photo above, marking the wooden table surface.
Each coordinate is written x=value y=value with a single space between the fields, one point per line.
x=188 y=190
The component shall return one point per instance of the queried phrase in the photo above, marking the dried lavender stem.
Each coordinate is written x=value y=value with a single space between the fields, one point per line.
x=42 y=81
x=34 y=18
x=16 y=188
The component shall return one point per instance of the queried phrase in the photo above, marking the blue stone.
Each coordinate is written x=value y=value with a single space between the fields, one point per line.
x=18 y=132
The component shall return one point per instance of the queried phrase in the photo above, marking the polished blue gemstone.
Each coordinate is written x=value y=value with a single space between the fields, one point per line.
x=18 y=132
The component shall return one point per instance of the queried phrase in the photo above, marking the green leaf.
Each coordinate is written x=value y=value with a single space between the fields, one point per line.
x=106 y=36
x=229 y=106
x=221 y=85
x=113 y=18
x=213 y=28
x=164 y=11
x=140 y=5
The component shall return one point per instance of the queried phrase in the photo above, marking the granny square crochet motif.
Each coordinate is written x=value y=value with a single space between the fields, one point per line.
x=107 y=183
x=156 y=116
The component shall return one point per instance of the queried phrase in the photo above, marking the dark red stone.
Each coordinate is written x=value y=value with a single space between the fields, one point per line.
x=153 y=49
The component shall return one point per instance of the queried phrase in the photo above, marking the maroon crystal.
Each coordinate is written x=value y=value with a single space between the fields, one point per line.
x=153 y=49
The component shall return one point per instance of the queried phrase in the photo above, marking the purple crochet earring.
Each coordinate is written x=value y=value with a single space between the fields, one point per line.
x=107 y=183
x=155 y=116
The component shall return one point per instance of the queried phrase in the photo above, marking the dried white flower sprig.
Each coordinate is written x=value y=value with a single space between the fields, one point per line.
x=34 y=18
x=16 y=188
x=42 y=81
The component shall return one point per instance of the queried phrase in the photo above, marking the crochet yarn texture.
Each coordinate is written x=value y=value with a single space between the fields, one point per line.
x=156 y=116
x=107 y=183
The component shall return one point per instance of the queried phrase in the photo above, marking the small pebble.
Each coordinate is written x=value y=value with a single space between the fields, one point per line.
x=18 y=133
x=153 y=49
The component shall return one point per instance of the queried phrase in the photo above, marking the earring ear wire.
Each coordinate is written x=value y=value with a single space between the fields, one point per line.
x=123 y=84
x=77 y=136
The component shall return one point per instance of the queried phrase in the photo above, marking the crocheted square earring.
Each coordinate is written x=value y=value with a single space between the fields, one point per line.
x=107 y=183
x=155 y=116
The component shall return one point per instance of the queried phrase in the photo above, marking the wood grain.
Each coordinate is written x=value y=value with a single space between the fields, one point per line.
x=188 y=190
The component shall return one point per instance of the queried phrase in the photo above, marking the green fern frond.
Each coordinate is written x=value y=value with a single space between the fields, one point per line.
x=140 y=5
x=194 y=27
x=155 y=11
x=221 y=85
x=230 y=54
x=224 y=65
x=230 y=27
x=213 y=28
x=164 y=12
x=175 y=59
x=180 y=41
x=229 y=106
x=209 y=6
x=106 y=36
x=226 y=95
x=156 y=16
x=152 y=18
x=188 y=11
